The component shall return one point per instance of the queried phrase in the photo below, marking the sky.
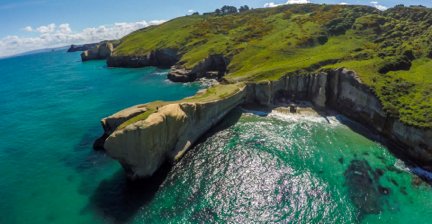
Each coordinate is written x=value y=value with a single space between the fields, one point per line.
x=27 y=25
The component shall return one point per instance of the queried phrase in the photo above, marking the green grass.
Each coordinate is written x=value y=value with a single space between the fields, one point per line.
x=216 y=93
x=266 y=44
x=211 y=94
x=151 y=108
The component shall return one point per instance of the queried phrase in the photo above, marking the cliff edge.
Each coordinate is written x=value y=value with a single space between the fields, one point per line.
x=166 y=132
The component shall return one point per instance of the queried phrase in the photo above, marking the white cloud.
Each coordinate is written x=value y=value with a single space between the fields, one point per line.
x=28 y=29
x=46 y=29
x=378 y=6
x=343 y=3
x=64 y=28
x=272 y=4
x=191 y=11
x=62 y=35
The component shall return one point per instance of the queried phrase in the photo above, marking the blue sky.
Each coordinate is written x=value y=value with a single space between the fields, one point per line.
x=61 y=22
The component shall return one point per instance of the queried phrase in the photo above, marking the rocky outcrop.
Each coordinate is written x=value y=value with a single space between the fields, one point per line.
x=164 y=58
x=213 y=67
x=84 y=47
x=99 y=52
x=144 y=145
x=109 y=124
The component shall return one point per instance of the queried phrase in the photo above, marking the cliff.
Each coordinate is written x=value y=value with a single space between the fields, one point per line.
x=343 y=91
x=98 y=52
x=143 y=144
x=214 y=66
x=163 y=58
x=84 y=47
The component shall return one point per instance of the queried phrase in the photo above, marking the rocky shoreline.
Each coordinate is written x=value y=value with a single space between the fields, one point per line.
x=212 y=67
x=170 y=130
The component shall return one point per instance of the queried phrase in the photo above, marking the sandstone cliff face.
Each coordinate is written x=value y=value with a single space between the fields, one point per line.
x=342 y=91
x=99 y=52
x=109 y=124
x=143 y=146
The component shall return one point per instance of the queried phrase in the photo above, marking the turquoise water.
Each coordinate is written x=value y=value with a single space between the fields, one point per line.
x=289 y=169
x=275 y=168
x=50 y=106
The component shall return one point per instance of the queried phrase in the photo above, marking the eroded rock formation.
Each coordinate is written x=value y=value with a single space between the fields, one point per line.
x=143 y=145
x=99 y=52
x=213 y=67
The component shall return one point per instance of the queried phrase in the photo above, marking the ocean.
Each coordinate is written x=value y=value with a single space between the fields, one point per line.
x=251 y=168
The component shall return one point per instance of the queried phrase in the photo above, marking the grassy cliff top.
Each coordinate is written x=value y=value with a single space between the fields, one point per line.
x=390 y=50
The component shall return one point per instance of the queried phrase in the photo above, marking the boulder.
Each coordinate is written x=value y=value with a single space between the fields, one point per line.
x=177 y=74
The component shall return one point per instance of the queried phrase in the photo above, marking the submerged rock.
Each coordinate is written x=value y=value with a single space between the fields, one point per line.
x=363 y=189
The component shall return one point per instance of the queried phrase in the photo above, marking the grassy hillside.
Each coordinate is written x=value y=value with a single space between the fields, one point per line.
x=390 y=50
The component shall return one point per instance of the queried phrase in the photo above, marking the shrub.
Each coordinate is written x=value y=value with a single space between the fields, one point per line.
x=409 y=54
x=395 y=64
x=322 y=39
x=338 y=26
x=244 y=8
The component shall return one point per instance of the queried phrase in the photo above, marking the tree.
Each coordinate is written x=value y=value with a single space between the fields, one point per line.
x=244 y=8
x=226 y=9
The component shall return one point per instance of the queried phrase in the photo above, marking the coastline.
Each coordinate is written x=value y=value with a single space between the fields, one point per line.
x=339 y=90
